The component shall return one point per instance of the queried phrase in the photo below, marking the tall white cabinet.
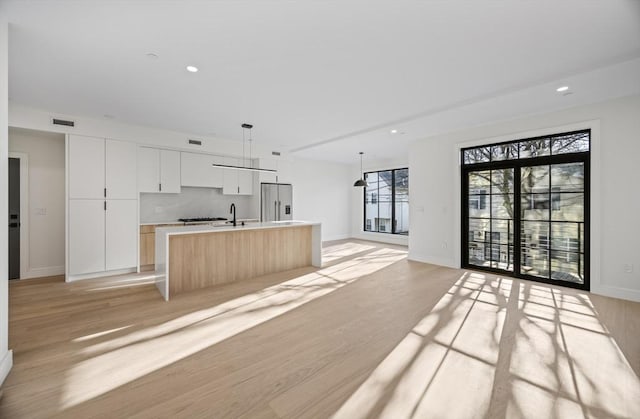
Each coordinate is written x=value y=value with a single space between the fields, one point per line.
x=103 y=206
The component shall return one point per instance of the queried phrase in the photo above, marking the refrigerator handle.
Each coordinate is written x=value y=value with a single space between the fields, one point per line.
x=279 y=209
x=275 y=210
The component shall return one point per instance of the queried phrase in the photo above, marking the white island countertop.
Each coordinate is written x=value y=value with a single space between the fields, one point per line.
x=164 y=233
x=208 y=228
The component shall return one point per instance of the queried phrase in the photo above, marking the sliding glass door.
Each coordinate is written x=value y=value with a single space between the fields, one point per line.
x=490 y=218
x=525 y=209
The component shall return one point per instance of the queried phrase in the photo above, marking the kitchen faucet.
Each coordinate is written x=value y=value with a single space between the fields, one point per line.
x=233 y=211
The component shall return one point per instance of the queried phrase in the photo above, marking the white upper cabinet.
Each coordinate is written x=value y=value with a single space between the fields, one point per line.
x=198 y=170
x=148 y=169
x=158 y=170
x=121 y=170
x=236 y=182
x=283 y=169
x=245 y=182
x=169 y=171
x=100 y=168
x=267 y=177
x=86 y=167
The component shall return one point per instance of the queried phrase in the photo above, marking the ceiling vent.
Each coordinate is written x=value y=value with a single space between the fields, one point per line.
x=275 y=153
x=195 y=142
x=63 y=122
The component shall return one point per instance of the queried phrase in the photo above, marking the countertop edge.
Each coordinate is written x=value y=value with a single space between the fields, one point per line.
x=195 y=229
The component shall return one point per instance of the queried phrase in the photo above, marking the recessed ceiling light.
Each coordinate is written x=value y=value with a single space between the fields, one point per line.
x=394 y=131
x=192 y=69
x=562 y=89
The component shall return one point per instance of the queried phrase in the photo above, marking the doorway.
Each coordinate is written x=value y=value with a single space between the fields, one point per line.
x=14 y=218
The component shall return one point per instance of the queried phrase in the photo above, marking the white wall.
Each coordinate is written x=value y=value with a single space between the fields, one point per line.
x=615 y=202
x=45 y=218
x=193 y=202
x=6 y=357
x=322 y=192
x=357 y=201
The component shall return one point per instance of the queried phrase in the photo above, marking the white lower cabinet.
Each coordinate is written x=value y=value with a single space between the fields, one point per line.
x=86 y=236
x=121 y=236
x=158 y=170
x=102 y=235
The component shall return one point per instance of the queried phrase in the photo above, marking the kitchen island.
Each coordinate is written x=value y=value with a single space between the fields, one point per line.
x=199 y=256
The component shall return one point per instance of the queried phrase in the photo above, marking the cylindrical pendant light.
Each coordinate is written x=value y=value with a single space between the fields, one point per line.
x=361 y=181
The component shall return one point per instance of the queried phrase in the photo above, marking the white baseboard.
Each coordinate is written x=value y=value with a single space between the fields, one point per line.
x=71 y=278
x=616 y=292
x=383 y=238
x=433 y=260
x=5 y=365
x=336 y=237
x=40 y=272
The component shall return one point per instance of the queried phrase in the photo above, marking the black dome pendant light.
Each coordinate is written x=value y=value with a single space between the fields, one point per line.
x=361 y=181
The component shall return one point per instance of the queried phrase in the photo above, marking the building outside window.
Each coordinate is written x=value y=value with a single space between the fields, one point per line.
x=386 y=201
x=525 y=208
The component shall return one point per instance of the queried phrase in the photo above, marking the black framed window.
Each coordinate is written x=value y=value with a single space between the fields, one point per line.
x=386 y=201
x=525 y=208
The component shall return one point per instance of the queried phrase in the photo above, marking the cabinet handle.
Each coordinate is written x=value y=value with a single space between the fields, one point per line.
x=238 y=189
x=160 y=187
x=105 y=192
x=105 y=205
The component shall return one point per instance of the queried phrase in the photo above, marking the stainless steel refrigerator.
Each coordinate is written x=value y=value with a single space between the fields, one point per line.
x=276 y=201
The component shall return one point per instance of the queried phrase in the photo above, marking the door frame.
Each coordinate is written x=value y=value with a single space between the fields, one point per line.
x=24 y=211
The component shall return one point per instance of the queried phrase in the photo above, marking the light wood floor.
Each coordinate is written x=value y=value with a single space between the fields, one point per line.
x=371 y=334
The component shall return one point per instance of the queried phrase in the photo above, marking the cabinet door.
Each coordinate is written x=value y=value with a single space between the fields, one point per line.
x=121 y=234
x=266 y=177
x=170 y=171
x=285 y=171
x=230 y=176
x=197 y=170
x=86 y=167
x=86 y=236
x=121 y=172
x=245 y=182
x=148 y=169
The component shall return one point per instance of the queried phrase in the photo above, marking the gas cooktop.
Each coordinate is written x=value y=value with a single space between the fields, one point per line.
x=201 y=219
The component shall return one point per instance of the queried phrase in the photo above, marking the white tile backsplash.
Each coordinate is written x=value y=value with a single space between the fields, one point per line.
x=194 y=202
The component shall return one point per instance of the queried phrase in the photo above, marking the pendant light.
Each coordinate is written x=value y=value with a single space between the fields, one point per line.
x=361 y=181
x=244 y=166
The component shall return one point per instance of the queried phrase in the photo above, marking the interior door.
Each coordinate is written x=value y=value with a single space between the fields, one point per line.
x=14 y=218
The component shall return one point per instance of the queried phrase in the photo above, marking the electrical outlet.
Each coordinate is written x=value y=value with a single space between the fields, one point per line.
x=41 y=211
x=628 y=268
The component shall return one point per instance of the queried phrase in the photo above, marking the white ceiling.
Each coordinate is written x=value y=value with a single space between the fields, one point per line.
x=323 y=79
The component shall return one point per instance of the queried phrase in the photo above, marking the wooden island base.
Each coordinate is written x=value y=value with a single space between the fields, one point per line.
x=193 y=259
x=202 y=260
